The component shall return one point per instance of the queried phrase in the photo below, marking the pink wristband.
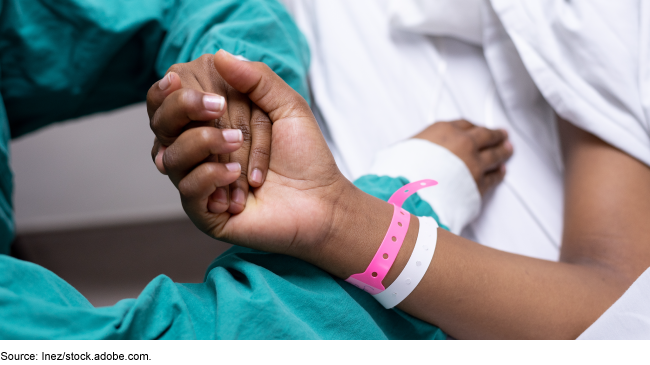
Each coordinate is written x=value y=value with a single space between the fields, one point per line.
x=370 y=280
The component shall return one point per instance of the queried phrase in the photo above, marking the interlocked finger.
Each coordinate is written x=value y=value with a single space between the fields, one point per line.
x=194 y=146
x=260 y=154
x=182 y=107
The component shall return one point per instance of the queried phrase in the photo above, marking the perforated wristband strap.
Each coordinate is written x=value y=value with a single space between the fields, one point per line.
x=415 y=268
x=370 y=280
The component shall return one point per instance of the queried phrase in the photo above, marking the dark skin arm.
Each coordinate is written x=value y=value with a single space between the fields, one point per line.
x=472 y=291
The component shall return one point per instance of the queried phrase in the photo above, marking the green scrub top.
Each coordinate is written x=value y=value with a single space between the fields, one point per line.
x=246 y=294
x=61 y=59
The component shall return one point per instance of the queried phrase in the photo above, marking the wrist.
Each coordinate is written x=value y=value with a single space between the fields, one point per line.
x=359 y=224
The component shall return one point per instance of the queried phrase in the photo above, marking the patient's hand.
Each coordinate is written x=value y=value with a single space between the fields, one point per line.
x=190 y=96
x=483 y=150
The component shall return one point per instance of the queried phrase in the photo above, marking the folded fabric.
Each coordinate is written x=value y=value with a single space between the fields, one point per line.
x=247 y=294
x=590 y=60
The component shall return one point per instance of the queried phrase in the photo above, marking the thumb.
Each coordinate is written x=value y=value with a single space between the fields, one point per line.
x=263 y=86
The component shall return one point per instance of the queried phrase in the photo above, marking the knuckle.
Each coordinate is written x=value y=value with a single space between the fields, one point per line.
x=246 y=132
x=184 y=97
x=205 y=136
x=206 y=57
x=264 y=67
x=466 y=139
x=188 y=100
x=186 y=188
x=260 y=153
x=170 y=159
x=177 y=68
x=261 y=120
x=154 y=122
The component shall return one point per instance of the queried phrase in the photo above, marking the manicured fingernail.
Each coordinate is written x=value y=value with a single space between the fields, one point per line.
x=165 y=82
x=221 y=196
x=238 y=196
x=213 y=102
x=232 y=135
x=159 y=160
x=508 y=146
x=256 y=176
x=233 y=166
x=226 y=52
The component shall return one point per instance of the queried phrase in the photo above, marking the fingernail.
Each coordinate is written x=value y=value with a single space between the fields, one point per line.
x=238 y=196
x=221 y=196
x=226 y=52
x=508 y=146
x=232 y=135
x=502 y=168
x=159 y=160
x=165 y=82
x=233 y=166
x=505 y=132
x=256 y=176
x=213 y=102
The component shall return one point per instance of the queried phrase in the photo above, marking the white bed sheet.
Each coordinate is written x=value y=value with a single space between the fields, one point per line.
x=380 y=75
x=375 y=85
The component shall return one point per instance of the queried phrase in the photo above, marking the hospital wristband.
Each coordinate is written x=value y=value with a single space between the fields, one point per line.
x=370 y=280
x=415 y=268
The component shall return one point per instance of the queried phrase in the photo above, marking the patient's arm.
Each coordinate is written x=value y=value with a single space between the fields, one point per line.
x=472 y=291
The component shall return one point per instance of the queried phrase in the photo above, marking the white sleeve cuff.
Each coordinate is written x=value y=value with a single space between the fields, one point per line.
x=455 y=199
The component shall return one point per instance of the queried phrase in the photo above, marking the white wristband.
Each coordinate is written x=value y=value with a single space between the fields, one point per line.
x=415 y=268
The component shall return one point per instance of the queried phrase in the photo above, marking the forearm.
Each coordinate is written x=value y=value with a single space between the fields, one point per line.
x=469 y=290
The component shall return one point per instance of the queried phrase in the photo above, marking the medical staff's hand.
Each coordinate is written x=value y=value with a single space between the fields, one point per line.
x=483 y=150
x=193 y=95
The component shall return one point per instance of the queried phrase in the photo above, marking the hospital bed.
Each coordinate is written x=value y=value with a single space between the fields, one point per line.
x=381 y=71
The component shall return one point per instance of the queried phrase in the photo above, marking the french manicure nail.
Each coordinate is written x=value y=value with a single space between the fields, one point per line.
x=158 y=161
x=226 y=52
x=213 y=102
x=238 y=196
x=165 y=82
x=232 y=135
x=233 y=166
x=221 y=196
x=256 y=176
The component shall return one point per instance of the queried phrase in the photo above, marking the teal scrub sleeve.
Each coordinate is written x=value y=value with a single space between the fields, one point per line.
x=62 y=59
x=6 y=184
x=247 y=294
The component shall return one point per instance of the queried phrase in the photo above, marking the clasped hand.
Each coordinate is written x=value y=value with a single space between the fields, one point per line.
x=291 y=202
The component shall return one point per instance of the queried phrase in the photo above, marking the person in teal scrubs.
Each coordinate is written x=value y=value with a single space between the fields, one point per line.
x=65 y=59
